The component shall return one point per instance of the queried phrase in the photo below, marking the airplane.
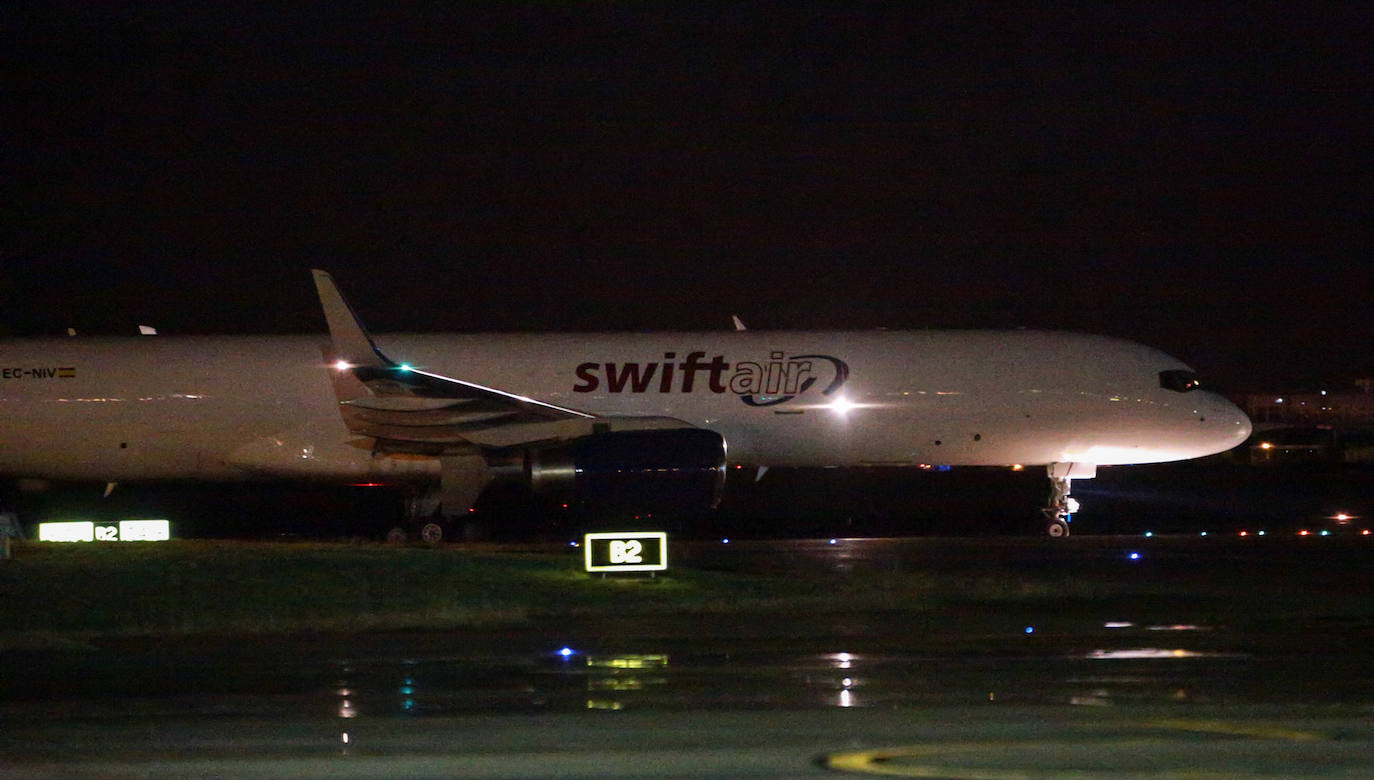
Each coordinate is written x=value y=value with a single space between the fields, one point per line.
x=628 y=420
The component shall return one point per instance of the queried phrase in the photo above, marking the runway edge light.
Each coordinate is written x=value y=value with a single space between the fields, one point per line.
x=626 y=551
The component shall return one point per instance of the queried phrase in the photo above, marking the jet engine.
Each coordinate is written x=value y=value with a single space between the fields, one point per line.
x=677 y=470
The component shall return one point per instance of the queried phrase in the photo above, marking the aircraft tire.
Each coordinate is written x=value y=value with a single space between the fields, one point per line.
x=432 y=533
x=1057 y=528
x=397 y=535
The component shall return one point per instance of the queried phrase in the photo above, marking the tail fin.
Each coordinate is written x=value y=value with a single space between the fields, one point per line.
x=351 y=342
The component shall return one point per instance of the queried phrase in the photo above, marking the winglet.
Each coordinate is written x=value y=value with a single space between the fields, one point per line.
x=739 y=323
x=351 y=342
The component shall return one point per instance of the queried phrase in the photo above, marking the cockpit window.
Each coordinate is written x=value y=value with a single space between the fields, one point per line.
x=1178 y=380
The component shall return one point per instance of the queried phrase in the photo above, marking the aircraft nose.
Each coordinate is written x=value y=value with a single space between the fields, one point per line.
x=1235 y=427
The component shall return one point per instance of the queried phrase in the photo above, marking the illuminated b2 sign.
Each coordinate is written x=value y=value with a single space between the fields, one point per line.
x=626 y=551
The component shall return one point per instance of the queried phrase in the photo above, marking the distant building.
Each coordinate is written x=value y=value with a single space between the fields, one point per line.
x=1322 y=425
x=1323 y=407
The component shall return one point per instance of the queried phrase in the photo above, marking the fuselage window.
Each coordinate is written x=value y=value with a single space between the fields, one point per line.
x=1178 y=380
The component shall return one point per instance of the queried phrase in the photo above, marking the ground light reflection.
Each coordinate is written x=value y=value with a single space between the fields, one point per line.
x=346 y=711
x=610 y=678
x=346 y=708
x=846 y=692
x=844 y=661
x=344 y=692
x=566 y=679
x=1155 y=653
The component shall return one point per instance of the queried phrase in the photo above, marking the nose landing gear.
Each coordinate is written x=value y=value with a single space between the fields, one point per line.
x=1059 y=513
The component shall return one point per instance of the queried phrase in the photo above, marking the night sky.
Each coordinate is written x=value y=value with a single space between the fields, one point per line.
x=1198 y=180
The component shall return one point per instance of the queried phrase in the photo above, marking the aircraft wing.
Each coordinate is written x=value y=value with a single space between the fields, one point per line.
x=409 y=410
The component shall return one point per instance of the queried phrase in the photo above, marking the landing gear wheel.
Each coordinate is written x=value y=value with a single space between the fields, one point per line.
x=1061 y=507
x=396 y=535
x=432 y=533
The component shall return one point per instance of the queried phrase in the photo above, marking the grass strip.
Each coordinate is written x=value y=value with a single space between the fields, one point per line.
x=53 y=593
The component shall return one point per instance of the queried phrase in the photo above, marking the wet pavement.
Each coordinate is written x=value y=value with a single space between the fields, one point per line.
x=1097 y=691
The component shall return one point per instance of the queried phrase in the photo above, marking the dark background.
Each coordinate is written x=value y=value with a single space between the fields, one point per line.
x=1195 y=178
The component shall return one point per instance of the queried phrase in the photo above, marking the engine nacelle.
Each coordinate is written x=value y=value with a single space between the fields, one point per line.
x=681 y=469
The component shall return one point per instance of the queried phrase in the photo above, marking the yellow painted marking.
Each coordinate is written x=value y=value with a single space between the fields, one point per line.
x=1239 y=730
x=876 y=762
x=881 y=761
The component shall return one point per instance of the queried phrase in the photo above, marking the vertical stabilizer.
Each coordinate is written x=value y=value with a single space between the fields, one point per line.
x=351 y=342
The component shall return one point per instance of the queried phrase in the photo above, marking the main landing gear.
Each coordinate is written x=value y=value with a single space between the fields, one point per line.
x=435 y=515
x=1061 y=508
x=423 y=520
x=1059 y=513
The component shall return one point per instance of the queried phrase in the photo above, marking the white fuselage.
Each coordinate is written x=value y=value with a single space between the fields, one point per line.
x=220 y=408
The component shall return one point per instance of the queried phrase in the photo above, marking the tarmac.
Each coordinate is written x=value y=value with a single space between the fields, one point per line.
x=946 y=694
